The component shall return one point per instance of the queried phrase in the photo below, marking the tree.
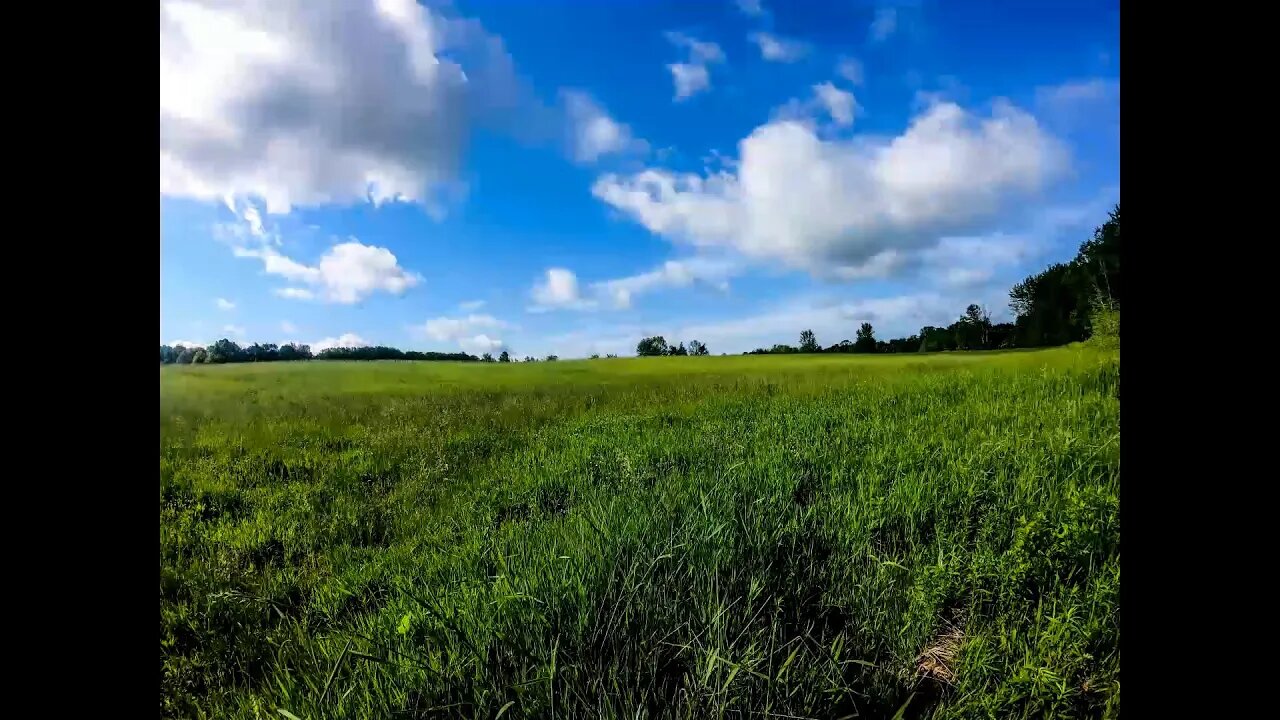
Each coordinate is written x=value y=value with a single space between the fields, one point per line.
x=552 y=358
x=610 y=355
x=677 y=350
x=184 y=354
x=865 y=341
x=504 y=357
x=808 y=342
x=200 y=356
x=652 y=346
x=697 y=348
x=167 y=355
x=487 y=357
x=595 y=356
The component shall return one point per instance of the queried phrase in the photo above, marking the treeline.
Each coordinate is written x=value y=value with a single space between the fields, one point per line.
x=657 y=346
x=1066 y=302
x=226 y=351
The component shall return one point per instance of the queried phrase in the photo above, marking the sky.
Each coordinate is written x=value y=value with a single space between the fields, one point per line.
x=568 y=177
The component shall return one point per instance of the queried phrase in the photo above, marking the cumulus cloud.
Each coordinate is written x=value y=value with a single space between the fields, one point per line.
x=447 y=328
x=347 y=272
x=225 y=304
x=593 y=133
x=778 y=49
x=325 y=101
x=884 y=24
x=838 y=103
x=466 y=331
x=345 y=340
x=559 y=290
x=480 y=344
x=692 y=77
x=671 y=274
x=831 y=206
x=754 y=8
x=850 y=69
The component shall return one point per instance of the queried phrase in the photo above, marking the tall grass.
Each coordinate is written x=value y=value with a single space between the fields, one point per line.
x=807 y=536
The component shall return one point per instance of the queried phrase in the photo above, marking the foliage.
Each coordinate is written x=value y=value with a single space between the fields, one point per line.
x=1054 y=306
x=504 y=357
x=698 y=348
x=652 y=346
x=720 y=537
x=808 y=342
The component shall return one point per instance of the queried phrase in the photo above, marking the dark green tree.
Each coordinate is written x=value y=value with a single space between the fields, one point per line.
x=652 y=346
x=865 y=340
x=504 y=357
x=808 y=342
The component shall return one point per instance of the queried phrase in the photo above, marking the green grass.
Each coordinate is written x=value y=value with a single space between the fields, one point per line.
x=667 y=537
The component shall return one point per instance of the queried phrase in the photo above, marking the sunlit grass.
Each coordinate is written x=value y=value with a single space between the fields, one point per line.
x=811 y=536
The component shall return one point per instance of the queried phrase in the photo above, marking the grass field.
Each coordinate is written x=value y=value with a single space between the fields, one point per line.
x=770 y=536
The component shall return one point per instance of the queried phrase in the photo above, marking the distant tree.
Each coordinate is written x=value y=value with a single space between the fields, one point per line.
x=225 y=351
x=528 y=359
x=200 y=356
x=809 y=342
x=611 y=355
x=183 y=354
x=167 y=355
x=552 y=358
x=652 y=346
x=487 y=357
x=697 y=348
x=677 y=350
x=504 y=357
x=865 y=341
x=595 y=356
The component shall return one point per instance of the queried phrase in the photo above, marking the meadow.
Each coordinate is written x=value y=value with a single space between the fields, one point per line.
x=797 y=536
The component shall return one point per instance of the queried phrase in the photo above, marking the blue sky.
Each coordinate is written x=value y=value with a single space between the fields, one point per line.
x=567 y=177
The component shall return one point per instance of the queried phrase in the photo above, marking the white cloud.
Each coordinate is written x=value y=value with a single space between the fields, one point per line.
x=559 y=290
x=446 y=328
x=593 y=133
x=850 y=69
x=295 y=293
x=318 y=102
x=466 y=332
x=777 y=49
x=838 y=103
x=347 y=272
x=481 y=344
x=884 y=24
x=699 y=51
x=187 y=343
x=236 y=330
x=692 y=77
x=471 y=305
x=224 y=304
x=830 y=206
x=345 y=340
x=288 y=327
x=753 y=8
x=673 y=273
x=689 y=79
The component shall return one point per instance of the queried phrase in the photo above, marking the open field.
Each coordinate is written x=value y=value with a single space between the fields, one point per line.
x=785 y=536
